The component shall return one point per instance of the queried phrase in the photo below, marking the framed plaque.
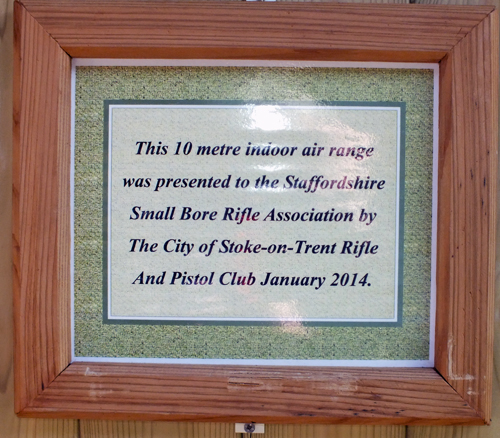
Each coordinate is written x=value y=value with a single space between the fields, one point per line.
x=305 y=225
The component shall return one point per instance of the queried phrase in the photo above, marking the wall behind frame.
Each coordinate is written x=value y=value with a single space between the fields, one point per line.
x=13 y=427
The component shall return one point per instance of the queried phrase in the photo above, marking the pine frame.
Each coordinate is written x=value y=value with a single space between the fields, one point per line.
x=464 y=40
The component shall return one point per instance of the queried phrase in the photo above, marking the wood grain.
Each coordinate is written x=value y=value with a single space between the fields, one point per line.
x=116 y=429
x=492 y=431
x=461 y=431
x=470 y=432
x=137 y=429
x=41 y=261
x=345 y=1
x=261 y=394
x=198 y=430
x=275 y=31
x=464 y=38
x=458 y=2
x=10 y=425
x=226 y=430
x=327 y=431
x=467 y=219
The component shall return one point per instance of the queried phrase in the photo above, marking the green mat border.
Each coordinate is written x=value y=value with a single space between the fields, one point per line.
x=93 y=339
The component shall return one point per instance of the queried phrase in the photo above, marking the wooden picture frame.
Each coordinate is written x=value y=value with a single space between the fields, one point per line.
x=464 y=40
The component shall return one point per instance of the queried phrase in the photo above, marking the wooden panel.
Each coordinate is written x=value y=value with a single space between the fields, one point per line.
x=459 y=431
x=327 y=31
x=41 y=262
x=10 y=425
x=138 y=429
x=198 y=430
x=14 y=427
x=468 y=176
x=226 y=430
x=325 y=431
x=344 y=1
x=458 y=2
x=116 y=429
x=492 y=431
x=269 y=395
x=48 y=428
